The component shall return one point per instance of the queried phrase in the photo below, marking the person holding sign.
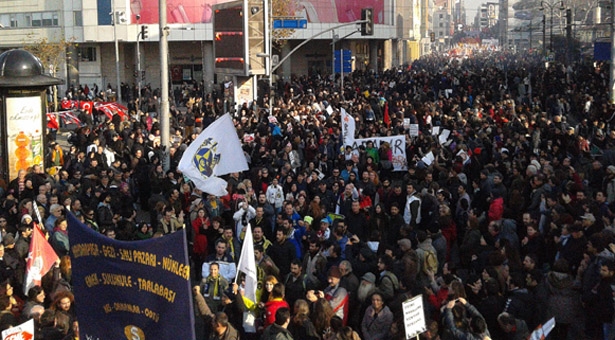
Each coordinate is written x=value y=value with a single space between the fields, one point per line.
x=464 y=321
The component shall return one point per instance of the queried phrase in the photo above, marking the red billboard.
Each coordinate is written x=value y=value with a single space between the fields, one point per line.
x=199 y=11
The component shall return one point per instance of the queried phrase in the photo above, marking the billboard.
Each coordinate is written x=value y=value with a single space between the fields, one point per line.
x=201 y=11
x=25 y=133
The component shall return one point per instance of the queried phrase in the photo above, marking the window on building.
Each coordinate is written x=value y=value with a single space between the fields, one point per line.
x=441 y=24
x=441 y=16
x=55 y=19
x=47 y=19
x=78 y=18
x=5 y=20
x=37 y=19
x=21 y=20
x=87 y=54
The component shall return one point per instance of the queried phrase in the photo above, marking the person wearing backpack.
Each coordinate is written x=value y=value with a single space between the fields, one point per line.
x=388 y=284
x=428 y=258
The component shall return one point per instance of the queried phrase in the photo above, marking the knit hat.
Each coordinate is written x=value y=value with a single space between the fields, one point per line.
x=24 y=217
x=369 y=277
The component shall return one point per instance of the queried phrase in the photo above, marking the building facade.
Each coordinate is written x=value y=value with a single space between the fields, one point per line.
x=93 y=26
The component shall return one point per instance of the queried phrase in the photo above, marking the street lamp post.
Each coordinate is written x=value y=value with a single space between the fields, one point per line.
x=139 y=65
x=164 y=86
x=269 y=54
x=551 y=7
x=116 y=17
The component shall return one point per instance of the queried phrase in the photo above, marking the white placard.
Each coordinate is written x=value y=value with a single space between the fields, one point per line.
x=543 y=331
x=329 y=110
x=406 y=123
x=23 y=331
x=414 y=130
x=444 y=136
x=414 y=317
x=428 y=158
x=435 y=130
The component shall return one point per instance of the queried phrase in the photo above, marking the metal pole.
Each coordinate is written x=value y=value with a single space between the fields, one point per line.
x=342 y=72
x=551 y=31
x=138 y=71
x=269 y=46
x=544 y=34
x=164 y=85
x=333 y=57
x=612 y=73
x=530 y=34
x=117 y=54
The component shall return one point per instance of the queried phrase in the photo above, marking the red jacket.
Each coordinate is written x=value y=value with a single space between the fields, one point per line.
x=496 y=209
x=271 y=307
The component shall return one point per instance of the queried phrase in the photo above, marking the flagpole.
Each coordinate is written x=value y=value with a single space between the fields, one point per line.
x=240 y=258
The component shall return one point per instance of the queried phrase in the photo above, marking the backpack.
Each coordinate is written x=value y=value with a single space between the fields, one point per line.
x=430 y=261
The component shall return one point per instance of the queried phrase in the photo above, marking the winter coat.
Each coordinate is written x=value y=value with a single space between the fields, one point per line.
x=276 y=332
x=563 y=301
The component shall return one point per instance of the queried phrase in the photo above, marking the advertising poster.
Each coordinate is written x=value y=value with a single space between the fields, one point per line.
x=131 y=290
x=200 y=11
x=25 y=136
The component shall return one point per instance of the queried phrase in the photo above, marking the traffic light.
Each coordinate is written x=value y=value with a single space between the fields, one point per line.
x=144 y=32
x=432 y=36
x=367 y=28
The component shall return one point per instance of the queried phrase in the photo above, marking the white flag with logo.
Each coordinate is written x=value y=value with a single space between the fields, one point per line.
x=215 y=152
x=348 y=128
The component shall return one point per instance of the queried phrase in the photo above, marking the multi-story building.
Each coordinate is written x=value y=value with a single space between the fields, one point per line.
x=443 y=24
x=93 y=26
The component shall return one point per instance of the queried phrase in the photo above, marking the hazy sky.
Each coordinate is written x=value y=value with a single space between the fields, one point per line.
x=471 y=9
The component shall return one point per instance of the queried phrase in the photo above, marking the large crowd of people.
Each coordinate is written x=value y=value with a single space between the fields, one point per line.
x=512 y=224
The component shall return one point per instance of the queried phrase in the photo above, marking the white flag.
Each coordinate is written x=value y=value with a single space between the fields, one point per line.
x=247 y=264
x=25 y=331
x=215 y=152
x=348 y=127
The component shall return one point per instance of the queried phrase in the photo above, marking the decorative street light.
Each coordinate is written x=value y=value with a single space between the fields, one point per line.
x=551 y=7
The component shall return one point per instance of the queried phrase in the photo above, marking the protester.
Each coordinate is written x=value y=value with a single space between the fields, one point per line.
x=500 y=136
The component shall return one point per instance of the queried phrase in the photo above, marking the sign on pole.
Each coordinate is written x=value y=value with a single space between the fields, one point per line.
x=343 y=61
x=414 y=317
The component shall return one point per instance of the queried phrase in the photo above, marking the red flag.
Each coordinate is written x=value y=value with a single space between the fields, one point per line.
x=67 y=104
x=40 y=260
x=68 y=117
x=52 y=122
x=387 y=118
x=87 y=106
x=112 y=108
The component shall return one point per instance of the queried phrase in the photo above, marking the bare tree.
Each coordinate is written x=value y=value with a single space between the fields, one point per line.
x=52 y=55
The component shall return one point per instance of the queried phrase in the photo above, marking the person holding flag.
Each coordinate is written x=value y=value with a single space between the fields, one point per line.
x=41 y=258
